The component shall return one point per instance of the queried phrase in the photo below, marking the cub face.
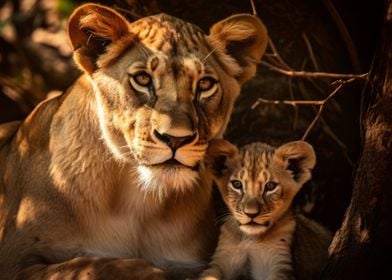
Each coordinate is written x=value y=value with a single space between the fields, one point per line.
x=164 y=89
x=259 y=182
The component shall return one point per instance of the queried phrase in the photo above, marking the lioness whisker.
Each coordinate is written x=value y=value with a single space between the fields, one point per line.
x=208 y=55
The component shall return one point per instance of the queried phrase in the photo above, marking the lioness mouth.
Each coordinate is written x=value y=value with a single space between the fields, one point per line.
x=175 y=163
x=171 y=162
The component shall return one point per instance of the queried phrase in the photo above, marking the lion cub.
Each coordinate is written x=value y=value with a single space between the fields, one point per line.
x=260 y=237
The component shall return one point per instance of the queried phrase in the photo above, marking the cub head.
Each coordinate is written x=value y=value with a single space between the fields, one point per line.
x=259 y=182
x=163 y=87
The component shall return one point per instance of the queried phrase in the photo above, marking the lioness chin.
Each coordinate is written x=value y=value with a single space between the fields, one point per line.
x=104 y=181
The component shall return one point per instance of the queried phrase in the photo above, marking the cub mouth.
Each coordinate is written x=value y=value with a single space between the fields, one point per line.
x=255 y=229
x=264 y=224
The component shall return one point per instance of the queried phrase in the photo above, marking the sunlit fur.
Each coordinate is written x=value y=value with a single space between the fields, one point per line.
x=158 y=181
x=257 y=235
x=106 y=180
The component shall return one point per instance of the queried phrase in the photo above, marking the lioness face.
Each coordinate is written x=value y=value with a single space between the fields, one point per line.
x=259 y=183
x=164 y=89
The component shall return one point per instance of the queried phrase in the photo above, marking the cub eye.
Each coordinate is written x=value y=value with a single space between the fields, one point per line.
x=270 y=186
x=236 y=184
x=142 y=79
x=206 y=84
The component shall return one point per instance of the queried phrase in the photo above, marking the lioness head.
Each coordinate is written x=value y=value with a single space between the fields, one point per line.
x=259 y=182
x=164 y=89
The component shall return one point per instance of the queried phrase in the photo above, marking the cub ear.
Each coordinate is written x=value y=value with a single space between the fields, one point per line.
x=91 y=28
x=244 y=37
x=221 y=159
x=299 y=158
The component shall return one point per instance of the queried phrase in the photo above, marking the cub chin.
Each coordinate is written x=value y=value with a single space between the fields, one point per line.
x=261 y=238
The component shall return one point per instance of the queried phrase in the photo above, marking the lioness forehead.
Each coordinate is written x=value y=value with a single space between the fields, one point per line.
x=170 y=35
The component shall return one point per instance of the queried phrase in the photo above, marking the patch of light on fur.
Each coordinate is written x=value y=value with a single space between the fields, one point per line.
x=160 y=181
x=101 y=116
x=26 y=212
x=190 y=63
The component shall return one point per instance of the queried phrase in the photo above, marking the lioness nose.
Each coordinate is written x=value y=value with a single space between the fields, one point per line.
x=174 y=142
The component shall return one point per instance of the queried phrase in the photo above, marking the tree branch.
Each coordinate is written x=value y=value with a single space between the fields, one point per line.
x=294 y=103
x=305 y=74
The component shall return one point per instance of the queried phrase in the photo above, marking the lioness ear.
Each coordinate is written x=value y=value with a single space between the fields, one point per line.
x=91 y=28
x=222 y=158
x=297 y=157
x=244 y=37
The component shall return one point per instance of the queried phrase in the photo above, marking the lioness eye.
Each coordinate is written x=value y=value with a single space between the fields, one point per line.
x=270 y=186
x=236 y=184
x=142 y=79
x=206 y=83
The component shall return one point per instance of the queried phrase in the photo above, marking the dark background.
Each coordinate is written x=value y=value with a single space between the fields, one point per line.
x=35 y=61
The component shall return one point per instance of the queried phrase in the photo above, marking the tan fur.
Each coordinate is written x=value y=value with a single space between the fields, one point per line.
x=86 y=189
x=260 y=233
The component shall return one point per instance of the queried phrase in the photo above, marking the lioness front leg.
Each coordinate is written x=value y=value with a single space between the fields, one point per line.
x=94 y=269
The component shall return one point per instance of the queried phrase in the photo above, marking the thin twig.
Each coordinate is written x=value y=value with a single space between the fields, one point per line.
x=276 y=63
x=287 y=102
x=320 y=103
x=291 y=91
x=305 y=74
x=323 y=123
x=275 y=54
x=279 y=65
x=321 y=109
x=311 y=52
x=253 y=8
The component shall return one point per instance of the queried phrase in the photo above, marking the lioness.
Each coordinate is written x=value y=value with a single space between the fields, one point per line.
x=261 y=236
x=104 y=181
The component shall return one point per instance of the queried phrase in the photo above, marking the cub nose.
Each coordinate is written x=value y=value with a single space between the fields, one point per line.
x=252 y=208
x=174 y=142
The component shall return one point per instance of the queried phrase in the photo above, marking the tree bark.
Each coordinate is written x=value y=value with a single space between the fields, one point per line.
x=362 y=247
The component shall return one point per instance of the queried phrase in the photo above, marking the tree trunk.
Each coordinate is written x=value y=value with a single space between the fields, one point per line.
x=362 y=247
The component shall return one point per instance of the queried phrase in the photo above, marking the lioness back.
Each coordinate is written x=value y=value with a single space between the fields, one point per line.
x=258 y=184
x=106 y=181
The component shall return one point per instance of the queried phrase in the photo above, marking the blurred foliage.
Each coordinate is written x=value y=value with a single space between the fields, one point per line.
x=65 y=7
x=36 y=60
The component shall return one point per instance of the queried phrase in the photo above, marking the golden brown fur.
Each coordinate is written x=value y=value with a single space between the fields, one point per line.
x=261 y=237
x=104 y=182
